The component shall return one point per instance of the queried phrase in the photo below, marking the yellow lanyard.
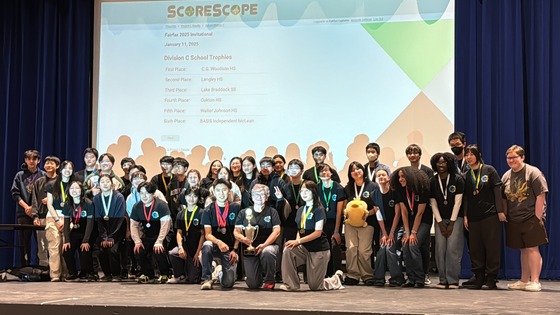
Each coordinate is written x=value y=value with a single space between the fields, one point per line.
x=475 y=180
x=62 y=193
x=164 y=183
x=304 y=217
x=188 y=223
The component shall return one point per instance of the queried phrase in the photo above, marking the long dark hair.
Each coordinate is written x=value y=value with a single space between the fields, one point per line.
x=359 y=166
x=209 y=175
x=312 y=186
x=56 y=189
x=417 y=181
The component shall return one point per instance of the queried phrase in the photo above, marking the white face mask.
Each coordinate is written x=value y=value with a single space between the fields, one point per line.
x=372 y=157
x=324 y=178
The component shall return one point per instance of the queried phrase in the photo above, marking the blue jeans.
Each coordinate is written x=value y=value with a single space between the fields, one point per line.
x=413 y=255
x=387 y=257
x=209 y=251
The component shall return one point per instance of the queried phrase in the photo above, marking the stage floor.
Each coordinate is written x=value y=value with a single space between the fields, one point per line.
x=131 y=298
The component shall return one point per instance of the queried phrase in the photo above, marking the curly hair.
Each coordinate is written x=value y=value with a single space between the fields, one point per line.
x=449 y=159
x=417 y=181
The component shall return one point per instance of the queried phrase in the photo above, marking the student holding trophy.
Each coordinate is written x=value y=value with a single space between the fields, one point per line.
x=257 y=228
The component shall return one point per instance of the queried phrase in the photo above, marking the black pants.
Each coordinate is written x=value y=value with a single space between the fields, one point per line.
x=86 y=258
x=485 y=247
x=144 y=258
x=25 y=236
x=335 y=263
x=110 y=259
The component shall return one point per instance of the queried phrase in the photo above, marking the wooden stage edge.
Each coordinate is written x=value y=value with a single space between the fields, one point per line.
x=128 y=297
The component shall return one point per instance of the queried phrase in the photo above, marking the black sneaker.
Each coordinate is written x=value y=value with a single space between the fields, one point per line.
x=471 y=281
x=351 y=281
x=379 y=283
x=106 y=279
x=408 y=284
x=394 y=284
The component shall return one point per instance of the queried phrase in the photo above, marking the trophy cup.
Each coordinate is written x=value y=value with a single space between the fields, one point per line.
x=251 y=232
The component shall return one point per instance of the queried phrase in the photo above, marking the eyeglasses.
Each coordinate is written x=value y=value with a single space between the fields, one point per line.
x=511 y=158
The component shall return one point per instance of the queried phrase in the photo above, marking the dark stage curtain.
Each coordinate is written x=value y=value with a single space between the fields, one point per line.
x=507 y=91
x=45 y=66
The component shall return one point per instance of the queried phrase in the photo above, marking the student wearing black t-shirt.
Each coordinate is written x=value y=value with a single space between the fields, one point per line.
x=109 y=214
x=150 y=221
x=391 y=244
x=79 y=234
x=446 y=197
x=185 y=258
x=212 y=174
x=310 y=247
x=332 y=197
x=218 y=220
x=319 y=155
x=359 y=239
x=57 y=197
x=163 y=179
x=259 y=248
x=482 y=203
x=413 y=193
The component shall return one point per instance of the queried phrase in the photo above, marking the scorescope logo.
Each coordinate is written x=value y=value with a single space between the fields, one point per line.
x=214 y=10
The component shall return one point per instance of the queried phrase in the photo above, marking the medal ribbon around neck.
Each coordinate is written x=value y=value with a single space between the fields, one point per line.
x=304 y=217
x=327 y=200
x=444 y=191
x=222 y=218
x=410 y=201
x=370 y=175
x=63 y=193
x=294 y=191
x=163 y=179
x=106 y=205
x=77 y=214
x=359 y=195
x=149 y=215
x=476 y=179
x=188 y=222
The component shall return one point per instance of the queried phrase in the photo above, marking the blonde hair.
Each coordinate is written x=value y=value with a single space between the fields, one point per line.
x=516 y=149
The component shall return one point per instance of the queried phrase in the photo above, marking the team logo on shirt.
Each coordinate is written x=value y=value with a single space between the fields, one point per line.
x=195 y=222
x=416 y=198
x=84 y=213
x=452 y=189
x=391 y=203
x=267 y=219
x=155 y=215
x=484 y=179
x=310 y=216
x=366 y=194
x=231 y=216
x=334 y=197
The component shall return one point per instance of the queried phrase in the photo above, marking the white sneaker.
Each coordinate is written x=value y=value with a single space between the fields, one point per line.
x=176 y=280
x=533 y=286
x=519 y=285
x=337 y=280
x=285 y=287
x=427 y=280
x=216 y=273
x=207 y=285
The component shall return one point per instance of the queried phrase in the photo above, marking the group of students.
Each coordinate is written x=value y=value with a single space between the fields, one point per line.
x=280 y=217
